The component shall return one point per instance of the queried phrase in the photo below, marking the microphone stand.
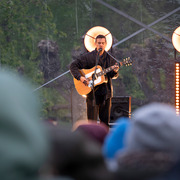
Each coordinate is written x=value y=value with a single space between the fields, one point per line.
x=94 y=76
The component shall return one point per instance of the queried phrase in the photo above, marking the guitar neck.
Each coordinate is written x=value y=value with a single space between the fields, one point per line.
x=126 y=62
x=106 y=71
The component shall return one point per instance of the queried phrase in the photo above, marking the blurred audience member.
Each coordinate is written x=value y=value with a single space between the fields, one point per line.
x=23 y=142
x=95 y=131
x=151 y=145
x=76 y=156
x=114 y=141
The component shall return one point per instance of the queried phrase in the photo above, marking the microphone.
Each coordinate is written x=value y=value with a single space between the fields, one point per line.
x=100 y=49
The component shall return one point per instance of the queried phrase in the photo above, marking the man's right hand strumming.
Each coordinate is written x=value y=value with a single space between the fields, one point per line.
x=84 y=80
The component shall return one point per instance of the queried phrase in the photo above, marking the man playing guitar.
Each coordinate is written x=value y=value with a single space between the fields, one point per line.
x=102 y=93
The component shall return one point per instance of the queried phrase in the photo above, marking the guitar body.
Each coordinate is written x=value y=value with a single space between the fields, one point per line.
x=99 y=79
x=88 y=73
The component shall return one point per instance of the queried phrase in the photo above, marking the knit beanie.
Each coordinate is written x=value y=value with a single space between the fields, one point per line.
x=114 y=141
x=155 y=127
x=96 y=132
x=23 y=141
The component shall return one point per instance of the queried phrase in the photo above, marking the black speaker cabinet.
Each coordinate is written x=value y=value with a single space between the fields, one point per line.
x=121 y=107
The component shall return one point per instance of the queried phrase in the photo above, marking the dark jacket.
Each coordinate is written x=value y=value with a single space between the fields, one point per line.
x=88 y=61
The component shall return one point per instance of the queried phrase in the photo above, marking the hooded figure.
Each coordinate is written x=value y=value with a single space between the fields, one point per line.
x=23 y=141
x=151 y=145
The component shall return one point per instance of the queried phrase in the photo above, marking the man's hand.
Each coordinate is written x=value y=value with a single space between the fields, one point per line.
x=116 y=68
x=84 y=80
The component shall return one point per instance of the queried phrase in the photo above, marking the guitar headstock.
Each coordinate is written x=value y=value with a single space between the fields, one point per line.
x=127 y=61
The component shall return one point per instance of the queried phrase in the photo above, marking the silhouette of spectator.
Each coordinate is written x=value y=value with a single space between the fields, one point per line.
x=76 y=156
x=95 y=131
x=23 y=141
x=151 y=145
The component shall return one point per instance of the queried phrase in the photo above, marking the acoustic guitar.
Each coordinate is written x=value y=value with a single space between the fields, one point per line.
x=98 y=79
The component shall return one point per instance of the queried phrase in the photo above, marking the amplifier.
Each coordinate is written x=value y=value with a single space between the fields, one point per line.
x=121 y=107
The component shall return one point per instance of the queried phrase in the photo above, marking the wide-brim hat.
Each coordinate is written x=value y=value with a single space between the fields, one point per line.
x=90 y=36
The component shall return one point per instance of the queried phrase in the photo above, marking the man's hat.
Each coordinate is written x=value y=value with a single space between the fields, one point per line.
x=90 y=36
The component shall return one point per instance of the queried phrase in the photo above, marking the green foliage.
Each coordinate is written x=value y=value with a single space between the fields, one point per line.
x=149 y=80
x=50 y=98
x=131 y=83
x=23 y=23
x=162 y=78
x=73 y=19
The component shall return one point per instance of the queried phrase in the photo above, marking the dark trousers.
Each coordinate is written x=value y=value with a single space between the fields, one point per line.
x=103 y=110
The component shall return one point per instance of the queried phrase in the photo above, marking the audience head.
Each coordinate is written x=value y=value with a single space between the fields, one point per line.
x=76 y=156
x=155 y=127
x=151 y=145
x=23 y=143
x=95 y=131
x=114 y=141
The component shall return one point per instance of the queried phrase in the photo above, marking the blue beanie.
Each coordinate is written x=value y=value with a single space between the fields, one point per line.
x=115 y=140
